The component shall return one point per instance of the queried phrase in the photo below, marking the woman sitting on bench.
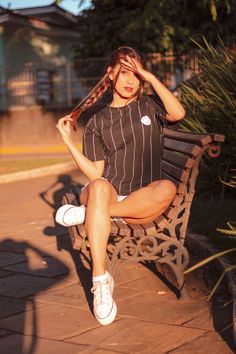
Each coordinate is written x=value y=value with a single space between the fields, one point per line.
x=121 y=158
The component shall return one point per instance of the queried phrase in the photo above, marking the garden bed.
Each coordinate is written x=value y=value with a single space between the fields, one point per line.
x=224 y=300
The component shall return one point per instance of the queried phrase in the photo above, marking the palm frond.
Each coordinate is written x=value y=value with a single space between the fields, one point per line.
x=208 y=259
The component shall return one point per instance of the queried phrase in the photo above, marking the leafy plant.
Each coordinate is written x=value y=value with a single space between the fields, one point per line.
x=228 y=233
x=231 y=231
x=210 y=101
x=232 y=181
x=210 y=259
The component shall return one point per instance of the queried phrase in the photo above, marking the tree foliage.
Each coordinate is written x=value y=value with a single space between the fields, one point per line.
x=153 y=25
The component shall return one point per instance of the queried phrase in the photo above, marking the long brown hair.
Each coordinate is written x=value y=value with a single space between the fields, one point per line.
x=105 y=83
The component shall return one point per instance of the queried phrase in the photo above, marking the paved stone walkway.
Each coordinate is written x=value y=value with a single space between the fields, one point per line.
x=45 y=299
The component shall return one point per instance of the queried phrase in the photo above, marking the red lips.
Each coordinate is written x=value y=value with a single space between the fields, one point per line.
x=129 y=89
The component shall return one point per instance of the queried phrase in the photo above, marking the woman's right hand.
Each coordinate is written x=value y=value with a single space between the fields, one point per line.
x=64 y=127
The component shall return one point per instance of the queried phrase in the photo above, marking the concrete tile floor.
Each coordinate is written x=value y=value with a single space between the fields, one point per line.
x=45 y=299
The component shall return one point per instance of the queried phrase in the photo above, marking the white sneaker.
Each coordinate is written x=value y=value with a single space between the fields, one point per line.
x=68 y=215
x=104 y=306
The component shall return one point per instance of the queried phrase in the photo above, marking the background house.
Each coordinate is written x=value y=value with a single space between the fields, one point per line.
x=36 y=57
x=38 y=82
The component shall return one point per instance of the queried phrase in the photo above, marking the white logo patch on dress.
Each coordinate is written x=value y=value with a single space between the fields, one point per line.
x=146 y=120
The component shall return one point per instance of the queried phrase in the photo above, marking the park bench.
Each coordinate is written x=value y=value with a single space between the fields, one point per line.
x=162 y=240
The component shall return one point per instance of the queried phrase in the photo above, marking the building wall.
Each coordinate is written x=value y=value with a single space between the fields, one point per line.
x=31 y=127
x=25 y=45
x=32 y=57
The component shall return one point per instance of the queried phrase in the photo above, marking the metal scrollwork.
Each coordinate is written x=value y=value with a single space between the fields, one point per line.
x=129 y=250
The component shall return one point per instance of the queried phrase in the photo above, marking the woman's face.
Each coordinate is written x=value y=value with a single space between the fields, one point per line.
x=126 y=84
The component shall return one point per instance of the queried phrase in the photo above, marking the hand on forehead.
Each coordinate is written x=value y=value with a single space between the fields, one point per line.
x=128 y=63
x=133 y=65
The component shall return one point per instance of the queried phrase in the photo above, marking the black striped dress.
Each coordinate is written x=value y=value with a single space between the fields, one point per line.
x=128 y=139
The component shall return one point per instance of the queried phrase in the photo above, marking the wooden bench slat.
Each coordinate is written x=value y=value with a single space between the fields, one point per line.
x=181 y=186
x=169 y=213
x=178 y=200
x=70 y=198
x=66 y=198
x=218 y=138
x=161 y=222
x=81 y=230
x=196 y=138
x=150 y=228
x=137 y=230
x=178 y=159
x=123 y=229
x=114 y=228
x=176 y=172
x=182 y=146
x=75 y=237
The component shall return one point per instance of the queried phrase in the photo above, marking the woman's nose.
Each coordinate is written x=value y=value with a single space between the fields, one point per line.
x=131 y=78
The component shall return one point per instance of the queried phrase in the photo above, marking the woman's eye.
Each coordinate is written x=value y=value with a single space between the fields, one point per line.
x=124 y=72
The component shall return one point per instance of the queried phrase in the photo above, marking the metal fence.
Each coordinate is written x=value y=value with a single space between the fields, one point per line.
x=63 y=86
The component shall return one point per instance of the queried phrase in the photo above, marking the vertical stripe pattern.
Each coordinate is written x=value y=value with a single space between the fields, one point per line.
x=128 y=139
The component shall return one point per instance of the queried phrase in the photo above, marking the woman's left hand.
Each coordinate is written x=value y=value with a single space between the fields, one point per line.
x=135 y=66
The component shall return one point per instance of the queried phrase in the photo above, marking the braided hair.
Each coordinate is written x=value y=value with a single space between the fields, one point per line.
x=105 y=83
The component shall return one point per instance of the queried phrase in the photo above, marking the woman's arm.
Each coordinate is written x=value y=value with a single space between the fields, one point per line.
x=92 y=170
x=175 y=110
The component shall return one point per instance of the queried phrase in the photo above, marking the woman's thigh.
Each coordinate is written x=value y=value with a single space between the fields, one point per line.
x=147 y=203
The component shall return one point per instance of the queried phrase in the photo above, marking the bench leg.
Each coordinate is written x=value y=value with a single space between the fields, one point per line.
x=178 y=263
x=184 y=295
x=129 y=249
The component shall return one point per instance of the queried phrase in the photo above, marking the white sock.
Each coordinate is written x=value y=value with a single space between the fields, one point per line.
x=100 y=277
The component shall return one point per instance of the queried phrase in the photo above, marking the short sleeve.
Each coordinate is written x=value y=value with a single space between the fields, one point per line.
x=157 y=109
x=92 y=141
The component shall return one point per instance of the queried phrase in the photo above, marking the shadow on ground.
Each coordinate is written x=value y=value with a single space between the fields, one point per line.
x=53 y=196
x=23 y=280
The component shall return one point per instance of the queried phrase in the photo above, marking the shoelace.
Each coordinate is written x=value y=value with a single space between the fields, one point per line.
x=101 y=291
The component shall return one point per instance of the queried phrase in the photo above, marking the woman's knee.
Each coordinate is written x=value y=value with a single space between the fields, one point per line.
x=100 y=188
x=165 y=189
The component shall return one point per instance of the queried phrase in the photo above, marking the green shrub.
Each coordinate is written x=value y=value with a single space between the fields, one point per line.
x=210 y=101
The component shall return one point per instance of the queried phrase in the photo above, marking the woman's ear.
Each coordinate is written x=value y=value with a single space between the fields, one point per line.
x=110 y=73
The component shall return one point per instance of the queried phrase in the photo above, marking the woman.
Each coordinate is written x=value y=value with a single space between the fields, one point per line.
x=121 y=158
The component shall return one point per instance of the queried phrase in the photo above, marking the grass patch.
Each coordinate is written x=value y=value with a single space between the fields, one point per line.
x=11 y=166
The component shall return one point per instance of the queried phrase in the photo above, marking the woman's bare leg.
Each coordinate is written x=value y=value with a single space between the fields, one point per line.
x=139 y=207
x=98 y=195
x=146 y=203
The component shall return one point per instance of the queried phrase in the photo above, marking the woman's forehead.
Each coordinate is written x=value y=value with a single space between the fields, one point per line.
x=118 y=68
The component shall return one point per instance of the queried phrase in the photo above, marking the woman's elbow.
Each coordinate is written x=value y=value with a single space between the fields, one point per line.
x=182 y=114
x=179 y=115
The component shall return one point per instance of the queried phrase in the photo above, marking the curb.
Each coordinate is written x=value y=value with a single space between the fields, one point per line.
x=37 y=172
x=201 y=244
